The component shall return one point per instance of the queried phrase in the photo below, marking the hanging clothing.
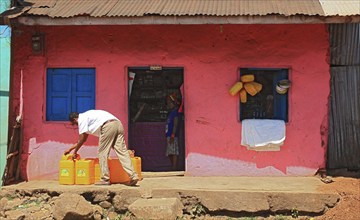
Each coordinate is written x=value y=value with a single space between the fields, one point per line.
x=263 y=133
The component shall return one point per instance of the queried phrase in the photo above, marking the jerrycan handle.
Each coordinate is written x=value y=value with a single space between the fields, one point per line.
x=69 y=157
x=131 y=153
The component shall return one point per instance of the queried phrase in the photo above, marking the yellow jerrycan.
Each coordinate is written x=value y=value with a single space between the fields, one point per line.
x=97 y=169
x=97 y=173
x=85 y=172
x=67 y=170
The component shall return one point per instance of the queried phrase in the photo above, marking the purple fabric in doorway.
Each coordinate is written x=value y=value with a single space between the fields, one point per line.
x=149 y=142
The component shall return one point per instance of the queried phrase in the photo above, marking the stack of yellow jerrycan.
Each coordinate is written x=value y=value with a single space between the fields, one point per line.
x=78 y=171
x=87 y=171
x=67 y=170
x=117 y=172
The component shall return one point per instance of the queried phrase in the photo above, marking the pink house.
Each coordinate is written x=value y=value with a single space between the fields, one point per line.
x=204 y=59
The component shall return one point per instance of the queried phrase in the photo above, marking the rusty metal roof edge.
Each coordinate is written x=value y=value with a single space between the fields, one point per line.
x=186 y=20
x=315 y=9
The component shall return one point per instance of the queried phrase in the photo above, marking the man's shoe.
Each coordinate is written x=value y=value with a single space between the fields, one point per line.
x=102 y=183
x=132 y=182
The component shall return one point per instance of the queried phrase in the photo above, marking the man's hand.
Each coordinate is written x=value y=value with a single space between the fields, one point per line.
x=70 y=149
x=67 y=151
x=82 y=139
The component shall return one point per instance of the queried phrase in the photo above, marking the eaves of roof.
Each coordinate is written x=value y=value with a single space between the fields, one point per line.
x=81 y=12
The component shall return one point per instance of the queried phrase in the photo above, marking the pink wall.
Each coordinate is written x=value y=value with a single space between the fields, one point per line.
x=211 y=56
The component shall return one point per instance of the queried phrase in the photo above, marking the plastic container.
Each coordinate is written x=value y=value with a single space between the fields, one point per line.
x=97 y=173
x=117 y=172
x=282 y=86
x=97 y=170
x=84 y=172
x=137 y=165
x=67 y=170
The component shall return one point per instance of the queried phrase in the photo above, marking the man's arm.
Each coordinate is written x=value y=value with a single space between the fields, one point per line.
x=82 y=138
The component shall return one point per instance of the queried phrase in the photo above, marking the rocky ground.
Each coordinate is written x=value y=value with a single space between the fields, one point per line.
x=104 y=205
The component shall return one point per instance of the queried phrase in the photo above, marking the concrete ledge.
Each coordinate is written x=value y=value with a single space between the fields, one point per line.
x=234 y=195
x=256 y=202
x=302 y=202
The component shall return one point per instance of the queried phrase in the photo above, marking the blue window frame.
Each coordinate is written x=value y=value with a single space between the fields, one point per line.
x=268 y=103
x=69 y=90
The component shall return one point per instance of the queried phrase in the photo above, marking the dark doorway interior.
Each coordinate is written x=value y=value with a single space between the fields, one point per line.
x=148 y=88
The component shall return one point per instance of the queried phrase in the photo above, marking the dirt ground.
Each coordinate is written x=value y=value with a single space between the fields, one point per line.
x=348 y=207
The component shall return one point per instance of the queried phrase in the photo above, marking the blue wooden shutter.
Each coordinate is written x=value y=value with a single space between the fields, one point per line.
x=58 y=100
x=280 y=101
x=69 y=90
x=83 y=87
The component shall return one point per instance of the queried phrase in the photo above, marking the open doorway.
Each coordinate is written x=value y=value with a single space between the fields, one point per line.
x=148 y=114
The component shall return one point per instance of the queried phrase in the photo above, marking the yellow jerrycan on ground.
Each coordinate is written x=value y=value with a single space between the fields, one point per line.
x=67 y=170
x=97 y=173
x=97 y=169
x=85 y=172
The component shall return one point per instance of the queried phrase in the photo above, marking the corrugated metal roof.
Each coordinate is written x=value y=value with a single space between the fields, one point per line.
x=241 y=7
x=340 y=7
x=130 y=8
x=178 y=8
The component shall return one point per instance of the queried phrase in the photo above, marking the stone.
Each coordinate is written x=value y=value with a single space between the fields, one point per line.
x=12 y=204
x=100 y=196
x=157 y=208
x=119 y=203
x=5 y=193
x=45 y=197
x=97 y=216
x=331 y=199
x=41 y=214
x=105 y=204
x=122 y=200
x=3 y=203
x=33 y=208
x=98 y=212
x=72 y=206
x=15 y=214
x=112 y=215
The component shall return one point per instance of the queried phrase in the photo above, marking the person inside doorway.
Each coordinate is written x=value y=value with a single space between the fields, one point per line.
x=110 y=131
x=172 y=122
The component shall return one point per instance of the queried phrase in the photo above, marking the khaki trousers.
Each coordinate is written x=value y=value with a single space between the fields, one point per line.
x=112 y=136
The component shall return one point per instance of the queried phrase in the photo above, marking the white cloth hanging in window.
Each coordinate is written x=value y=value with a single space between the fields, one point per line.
x=263 y=134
